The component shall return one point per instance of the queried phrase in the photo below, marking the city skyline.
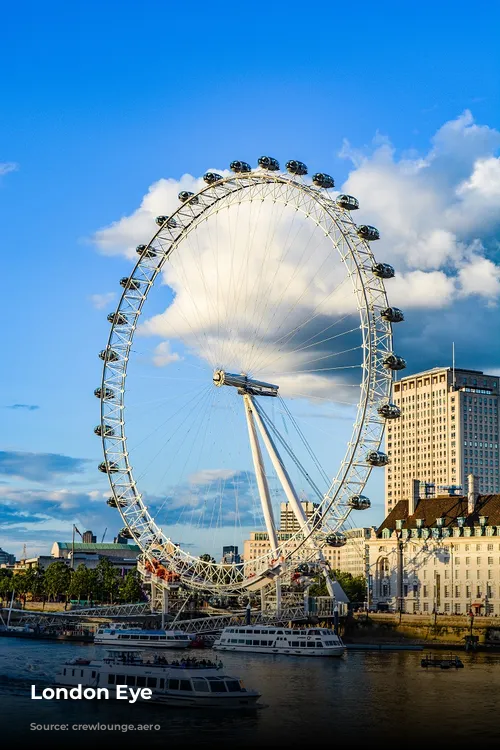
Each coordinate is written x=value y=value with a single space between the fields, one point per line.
x=90 y=164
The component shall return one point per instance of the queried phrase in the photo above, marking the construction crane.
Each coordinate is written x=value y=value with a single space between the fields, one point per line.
x=105 y=530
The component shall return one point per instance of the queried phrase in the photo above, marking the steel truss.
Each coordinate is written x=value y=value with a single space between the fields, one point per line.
x=369 y=292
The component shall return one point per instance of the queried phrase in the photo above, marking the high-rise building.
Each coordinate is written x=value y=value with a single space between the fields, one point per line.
x=6 y=558
x=448 y=428
x=288 y=520
x=88 y=537
x=230 y=555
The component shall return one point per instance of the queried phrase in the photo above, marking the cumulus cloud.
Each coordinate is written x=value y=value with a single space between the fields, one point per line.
x=254 y=300
x=39 y=467
x=210 y=499
x=163 y=356
x=39 y=517
x=100 y=301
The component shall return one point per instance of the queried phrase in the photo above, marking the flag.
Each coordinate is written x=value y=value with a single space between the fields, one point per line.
x=77 y=531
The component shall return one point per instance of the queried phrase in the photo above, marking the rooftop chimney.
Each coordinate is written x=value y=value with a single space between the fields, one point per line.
x=473 y=493
x=414 y=497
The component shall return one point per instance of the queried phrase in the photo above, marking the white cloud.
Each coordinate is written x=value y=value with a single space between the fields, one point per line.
x=8 y=166
x=100 y=301
x=239 y=295
x=163 y=356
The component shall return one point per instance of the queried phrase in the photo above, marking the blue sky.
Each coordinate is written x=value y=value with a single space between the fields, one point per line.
x=101 y=101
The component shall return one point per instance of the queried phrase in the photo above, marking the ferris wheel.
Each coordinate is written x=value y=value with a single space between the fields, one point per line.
x=273 y=297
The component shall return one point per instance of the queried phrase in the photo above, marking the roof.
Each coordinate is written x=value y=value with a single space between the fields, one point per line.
x=449 y=508
x=88 y=547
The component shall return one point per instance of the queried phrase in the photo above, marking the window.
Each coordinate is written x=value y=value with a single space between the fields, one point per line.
x=151 y=682
x=173 y=684
x=131 y=680
x=184 y=684
x=141 y=682
x=111 y=679
x=201 y=686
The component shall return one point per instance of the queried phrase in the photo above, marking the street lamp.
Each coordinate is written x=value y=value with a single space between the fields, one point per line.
x=399 y=537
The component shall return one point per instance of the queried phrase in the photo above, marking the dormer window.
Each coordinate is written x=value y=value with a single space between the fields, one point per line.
x=440 y=522
x=461 y=521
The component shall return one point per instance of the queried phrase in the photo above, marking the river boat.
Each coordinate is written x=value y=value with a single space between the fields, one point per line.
x=188 y=682
x=265 y=639
x=138 y=638
x=447 y=662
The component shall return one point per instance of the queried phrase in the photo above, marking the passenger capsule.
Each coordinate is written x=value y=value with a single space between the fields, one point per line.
x=377 y=458
x=336 y=540
x=126 y=533
x=359 y=502
x=267 y=162
x=145 y=251
x=240 y=167
x=118 y=319
x=322 y=180
x=111 y=468
x=162 y=220
x=392 y=315
x=393 y=362
x=368 y=233
x=113 y=504
x=108 y=355
x=348 y=202
x=130 y=283
x=383 y=271
x=303 y=568
x=211 y=177
x=389 y=410
x=185 y=195
x=296 y=167
x=107 y=431
x=107 y=394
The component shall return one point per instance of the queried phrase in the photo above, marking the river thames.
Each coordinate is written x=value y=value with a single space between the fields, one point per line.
x=361 y=697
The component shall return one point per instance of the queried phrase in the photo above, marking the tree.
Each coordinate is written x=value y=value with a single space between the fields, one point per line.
x=353 y=586
x=6 y=584
x=108 y=580
x=131 y=589
x=35 y=582
x=57 y=579
x=207 y=558
x=82 y=583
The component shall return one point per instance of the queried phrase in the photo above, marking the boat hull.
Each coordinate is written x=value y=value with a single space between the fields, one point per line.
x=332 y=651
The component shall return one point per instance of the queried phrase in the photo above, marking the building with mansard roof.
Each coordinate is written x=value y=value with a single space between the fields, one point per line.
x=439 y=554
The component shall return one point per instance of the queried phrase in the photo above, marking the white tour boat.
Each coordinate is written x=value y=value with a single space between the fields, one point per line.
x=265 y=639
x=138 y=638
x=187 y=682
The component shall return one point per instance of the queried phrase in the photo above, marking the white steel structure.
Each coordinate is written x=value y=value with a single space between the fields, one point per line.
x=308 y=232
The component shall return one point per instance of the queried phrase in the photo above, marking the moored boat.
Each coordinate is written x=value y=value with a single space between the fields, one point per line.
x=266 y=639
x=138 y=638
x=187 y=682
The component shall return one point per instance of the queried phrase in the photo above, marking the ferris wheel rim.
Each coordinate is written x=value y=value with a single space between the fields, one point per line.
x=141 y=524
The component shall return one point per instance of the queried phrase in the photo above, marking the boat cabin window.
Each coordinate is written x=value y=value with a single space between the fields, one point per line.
x=93 y=674
x=173 y=684
x=131 y=680
x=185 y=685
x=233 y=686
x=151 y=682
x=111 y=679
x=141 y=682
x=162 y=683
x=217 y=686
x=121 y=679
x=201 y=686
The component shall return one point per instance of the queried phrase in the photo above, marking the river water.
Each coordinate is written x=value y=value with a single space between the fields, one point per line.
x=361 y=697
